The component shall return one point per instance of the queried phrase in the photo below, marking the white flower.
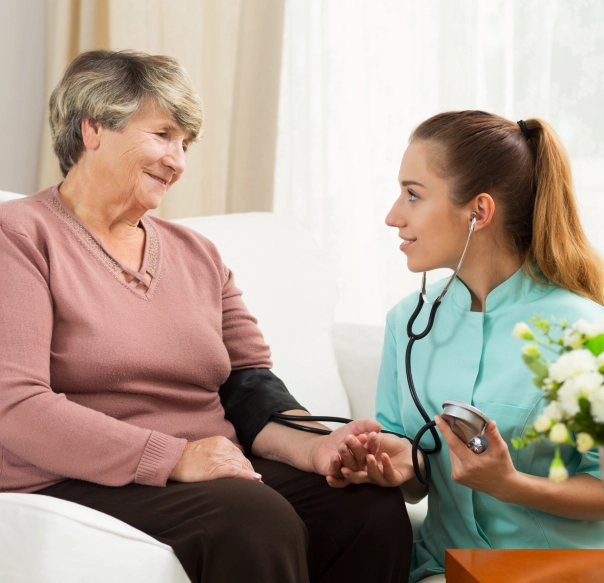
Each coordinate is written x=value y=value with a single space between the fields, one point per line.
x=583 y=327
x=559 y=433
x=571 y=364
x=588 y=383
x=568 y=397
x=575 y=335
x=572 y=338
x=521 y=330
x=596 y=328
x=583 y=385
x=542 y=423
x=585 y=442
x=554 y=411
x=597 y=405
x=558 y=473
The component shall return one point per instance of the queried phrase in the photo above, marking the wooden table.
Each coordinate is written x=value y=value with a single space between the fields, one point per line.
x=524 y=566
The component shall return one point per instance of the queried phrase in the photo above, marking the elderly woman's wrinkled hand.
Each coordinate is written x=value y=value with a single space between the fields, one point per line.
x=376 y=458
x=210 y=459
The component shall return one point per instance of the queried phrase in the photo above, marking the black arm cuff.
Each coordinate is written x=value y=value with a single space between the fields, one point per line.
x=249 y=397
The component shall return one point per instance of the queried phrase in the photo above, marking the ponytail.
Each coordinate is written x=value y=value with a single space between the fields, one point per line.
x=526 y=169
x=559 y=249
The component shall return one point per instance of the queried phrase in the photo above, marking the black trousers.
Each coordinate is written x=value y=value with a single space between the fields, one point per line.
x=293 y=528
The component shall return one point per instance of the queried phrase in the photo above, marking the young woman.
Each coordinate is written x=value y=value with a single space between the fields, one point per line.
x=528 y=255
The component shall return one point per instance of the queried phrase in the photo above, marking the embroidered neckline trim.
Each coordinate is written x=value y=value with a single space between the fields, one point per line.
x=112 y=265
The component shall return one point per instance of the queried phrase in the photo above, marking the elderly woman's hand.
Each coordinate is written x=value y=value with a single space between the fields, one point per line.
x=210 y=459
x=357 y=454
x=324 y=452
x=378 y=458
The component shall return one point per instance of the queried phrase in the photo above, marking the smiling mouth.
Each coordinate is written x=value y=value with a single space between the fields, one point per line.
x=161 y=180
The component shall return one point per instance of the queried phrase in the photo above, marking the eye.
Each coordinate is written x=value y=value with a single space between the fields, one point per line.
x=161 y=134
x=412 y=196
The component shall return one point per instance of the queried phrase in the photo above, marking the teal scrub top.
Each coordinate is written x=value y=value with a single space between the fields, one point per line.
x=473 y=357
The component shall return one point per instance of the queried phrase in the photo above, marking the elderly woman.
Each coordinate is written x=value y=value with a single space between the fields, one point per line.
x=104 y=401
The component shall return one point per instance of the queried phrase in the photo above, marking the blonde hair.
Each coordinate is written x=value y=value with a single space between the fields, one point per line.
x=528 y=174
x=110 y=87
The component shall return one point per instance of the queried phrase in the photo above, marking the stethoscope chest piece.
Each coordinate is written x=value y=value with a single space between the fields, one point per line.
x=467 y=422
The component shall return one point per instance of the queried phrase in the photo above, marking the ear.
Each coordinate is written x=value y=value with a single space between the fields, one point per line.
x=91 y=134
x=483 y=206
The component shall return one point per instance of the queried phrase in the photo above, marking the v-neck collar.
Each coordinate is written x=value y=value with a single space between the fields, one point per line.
x=151 y=252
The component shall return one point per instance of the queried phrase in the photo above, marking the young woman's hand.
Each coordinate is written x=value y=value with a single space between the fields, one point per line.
x=325 y=454
x=491 y=472
x=377 y=458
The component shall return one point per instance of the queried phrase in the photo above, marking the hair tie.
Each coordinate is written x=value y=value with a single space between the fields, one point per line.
x=524 y=129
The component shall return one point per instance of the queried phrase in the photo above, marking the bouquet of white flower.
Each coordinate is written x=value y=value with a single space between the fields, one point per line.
x=573 y=385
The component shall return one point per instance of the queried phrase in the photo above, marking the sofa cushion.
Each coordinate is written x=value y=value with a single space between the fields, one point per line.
x=4 y=196
x=46 y=540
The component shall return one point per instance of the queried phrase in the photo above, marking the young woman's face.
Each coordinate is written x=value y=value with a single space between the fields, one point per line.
x=433 y=231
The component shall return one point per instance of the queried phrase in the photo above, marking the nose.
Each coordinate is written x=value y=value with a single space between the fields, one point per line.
x=395 y=217
x=175 y=158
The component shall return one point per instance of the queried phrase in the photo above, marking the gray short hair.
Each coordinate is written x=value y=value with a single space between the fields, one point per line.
x=110 y=87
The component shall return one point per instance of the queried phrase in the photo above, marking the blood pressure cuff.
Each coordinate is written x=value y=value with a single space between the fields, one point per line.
x=249 y=397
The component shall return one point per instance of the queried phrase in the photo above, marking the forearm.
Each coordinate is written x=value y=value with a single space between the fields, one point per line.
x=250 y=397
x=287 y=445
x=413 y=490
x=580 y=497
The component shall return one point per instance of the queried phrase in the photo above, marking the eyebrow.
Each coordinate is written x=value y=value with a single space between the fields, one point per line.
x=175 y=127
x=411 y=183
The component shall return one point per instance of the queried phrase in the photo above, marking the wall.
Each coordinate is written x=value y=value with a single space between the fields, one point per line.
x=23 y=93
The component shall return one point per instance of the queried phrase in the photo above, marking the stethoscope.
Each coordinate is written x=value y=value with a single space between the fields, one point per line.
x=466 y=421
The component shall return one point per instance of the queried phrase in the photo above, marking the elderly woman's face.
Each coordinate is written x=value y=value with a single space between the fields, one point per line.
x=143 y=161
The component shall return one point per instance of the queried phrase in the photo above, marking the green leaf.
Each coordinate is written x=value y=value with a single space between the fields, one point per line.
x=518 y=442
x=536 y=366
x=596 y=345
x=584 y=405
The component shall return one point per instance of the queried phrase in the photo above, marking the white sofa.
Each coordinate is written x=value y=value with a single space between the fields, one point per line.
x=331 y=369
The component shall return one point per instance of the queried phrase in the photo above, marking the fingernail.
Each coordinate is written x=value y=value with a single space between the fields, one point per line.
x=257 y=476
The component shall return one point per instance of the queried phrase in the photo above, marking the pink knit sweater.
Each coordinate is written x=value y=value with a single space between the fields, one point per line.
x=101 y=380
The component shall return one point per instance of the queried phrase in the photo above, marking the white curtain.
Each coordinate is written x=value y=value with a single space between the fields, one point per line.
x=358 y=75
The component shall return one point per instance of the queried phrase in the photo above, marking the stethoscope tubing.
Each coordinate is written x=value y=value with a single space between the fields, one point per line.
x=429 y=424
x=287 y=420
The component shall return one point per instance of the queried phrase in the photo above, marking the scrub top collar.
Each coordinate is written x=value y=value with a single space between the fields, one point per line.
x=520 y=287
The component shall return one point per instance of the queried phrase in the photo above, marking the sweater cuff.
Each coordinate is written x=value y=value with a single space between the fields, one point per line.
x=161 y=454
